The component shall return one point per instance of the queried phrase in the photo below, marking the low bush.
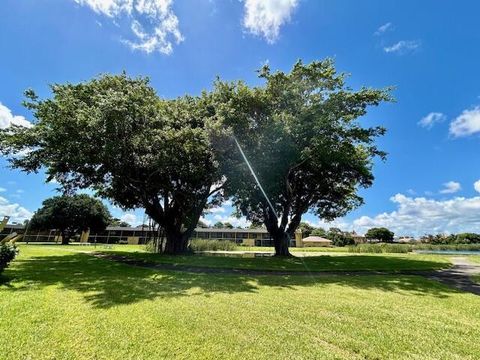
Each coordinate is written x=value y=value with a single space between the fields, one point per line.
x=380 y=248
x=7 y=254
x=212 y=245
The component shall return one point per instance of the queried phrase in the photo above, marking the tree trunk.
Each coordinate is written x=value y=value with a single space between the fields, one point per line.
x=177 y=236
x=65 y=237
x=281 y=241
x=176 y=244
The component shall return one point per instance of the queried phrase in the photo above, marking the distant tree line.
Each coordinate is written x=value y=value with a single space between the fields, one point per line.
x=337 y=236
x=443 y=239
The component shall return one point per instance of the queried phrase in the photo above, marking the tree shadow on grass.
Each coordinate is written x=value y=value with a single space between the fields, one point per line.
x=105 y=283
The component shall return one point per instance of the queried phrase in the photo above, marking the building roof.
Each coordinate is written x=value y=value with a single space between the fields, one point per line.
x=316 y=239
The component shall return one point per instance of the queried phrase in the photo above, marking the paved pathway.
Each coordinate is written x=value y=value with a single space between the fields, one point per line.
x=458 y=276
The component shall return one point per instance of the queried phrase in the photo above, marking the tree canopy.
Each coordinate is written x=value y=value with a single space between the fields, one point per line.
x=380 y=233
x=177 y=158
x=300 y=132
x=70 y=215
x=339 y=237
x=113 y=134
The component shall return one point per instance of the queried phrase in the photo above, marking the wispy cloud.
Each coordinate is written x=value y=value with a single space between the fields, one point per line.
x=403 y=47
x=451 y=187
x=217 y=210
x=154 y=25
x=384 y=28
x=431 y=119
x=266 y=17
x=467 y=123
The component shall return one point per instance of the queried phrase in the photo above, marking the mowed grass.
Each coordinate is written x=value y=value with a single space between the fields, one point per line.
x=321 y=262
x=292 y=249
x=58 y=303
x=475 y=259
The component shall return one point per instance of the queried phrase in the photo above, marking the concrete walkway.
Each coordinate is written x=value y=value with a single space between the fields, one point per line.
x=458 y=276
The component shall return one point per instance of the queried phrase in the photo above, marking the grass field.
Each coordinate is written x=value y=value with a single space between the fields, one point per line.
x=62 y=303
x=324 y=262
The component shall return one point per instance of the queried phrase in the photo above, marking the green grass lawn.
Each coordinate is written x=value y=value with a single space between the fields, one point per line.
x=475 y=259
x=62 y=303
x=292 y=249
x=324 y=262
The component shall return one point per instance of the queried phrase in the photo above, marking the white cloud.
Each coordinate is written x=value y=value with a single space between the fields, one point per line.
x=432 y=119
x=206 y=221
x=403 y=47
x=153 y=23
x=216 y=210
x=266 y=17
x=7 y=118
x=451 y=187
x=2 y=189
x=476 y=186
x=16 y=212
x=384 y=28
x=418 y=216
x=236 y=222
x=130 y=219
x=468 y=123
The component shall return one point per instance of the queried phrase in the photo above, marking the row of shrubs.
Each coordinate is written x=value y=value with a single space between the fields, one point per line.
x=380 y=248
x=7 y=254
x=225 y=245
x=405 y=248
x=212 y=245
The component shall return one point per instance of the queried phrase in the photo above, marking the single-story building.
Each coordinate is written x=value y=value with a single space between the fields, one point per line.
x=316 y=241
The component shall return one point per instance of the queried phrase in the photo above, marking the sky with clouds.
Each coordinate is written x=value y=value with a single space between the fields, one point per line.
x=426 y=50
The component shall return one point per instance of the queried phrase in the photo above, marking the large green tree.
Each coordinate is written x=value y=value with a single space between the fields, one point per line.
x=300 y=132
x=113 y=134
x=70 y=215
x=380 y=234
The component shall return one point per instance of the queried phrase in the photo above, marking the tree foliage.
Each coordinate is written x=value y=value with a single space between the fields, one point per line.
x=71 y=215
x=382 y=234
x=443 y=239
x=306 y=229
x=300 y=132
x=7 y=254
x=339 y=237
x=113 y=134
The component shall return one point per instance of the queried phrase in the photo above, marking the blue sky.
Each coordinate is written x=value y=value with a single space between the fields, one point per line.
x=427 y=49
